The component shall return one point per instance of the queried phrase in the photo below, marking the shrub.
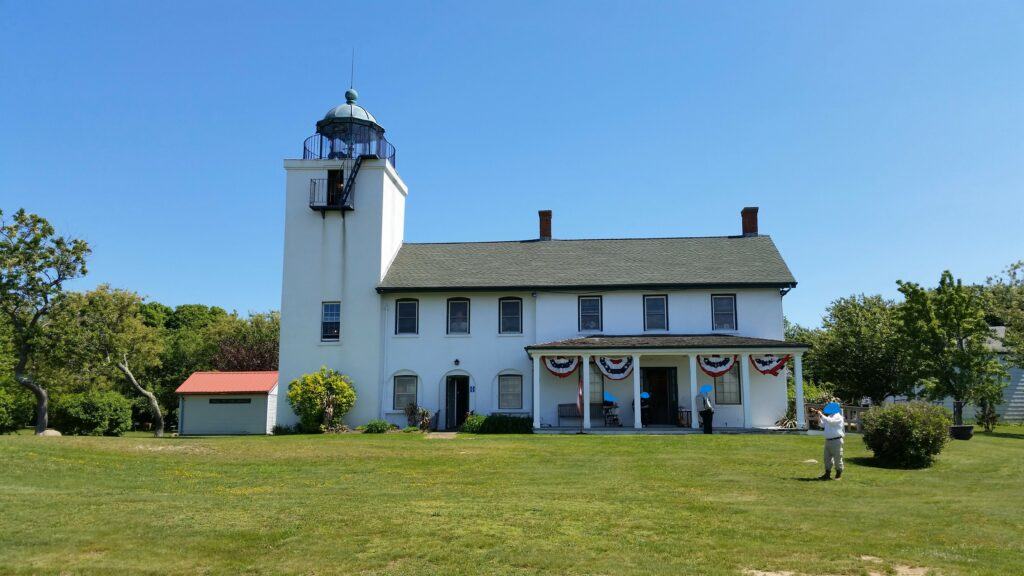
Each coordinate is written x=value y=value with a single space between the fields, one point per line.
x=92 y=414
x=906 y=435
x=8 y=412
x=418 y=416
x=497 y=424
x=17 y=408
x=282 y=430
x=321 y=399
x=377 y=426
x=506 y=424
x=473 y=424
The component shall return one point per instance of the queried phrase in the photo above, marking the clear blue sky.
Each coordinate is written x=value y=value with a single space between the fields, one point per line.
x=881 y=140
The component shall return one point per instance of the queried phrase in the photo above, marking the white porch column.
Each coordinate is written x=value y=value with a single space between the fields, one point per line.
x=636 y=392
x=536 y=390
x=798 y=385
x=745 y=387
x=693 y=392
x=585 y=366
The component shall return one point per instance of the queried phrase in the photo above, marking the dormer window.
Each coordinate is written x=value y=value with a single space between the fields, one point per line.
x=458 y=316
x=723 y=312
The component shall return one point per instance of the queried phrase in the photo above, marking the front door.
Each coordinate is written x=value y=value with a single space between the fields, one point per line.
x=456 y=405
x=662 y=404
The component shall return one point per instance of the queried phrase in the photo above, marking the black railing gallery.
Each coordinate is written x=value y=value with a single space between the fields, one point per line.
x=359 y=141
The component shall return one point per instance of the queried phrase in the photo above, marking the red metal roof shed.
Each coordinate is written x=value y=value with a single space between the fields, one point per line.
x=229 y=383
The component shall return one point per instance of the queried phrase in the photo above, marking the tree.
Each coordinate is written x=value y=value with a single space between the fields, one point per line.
x=947 y=336
x=35 y=264
x=250 y=343
x=106 y=327
x=1005 y=307
x=797 y=333
x=190 y=333
x=321 y=399
x=860 y=350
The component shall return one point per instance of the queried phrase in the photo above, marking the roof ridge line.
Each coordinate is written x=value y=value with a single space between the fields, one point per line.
x=536 y=240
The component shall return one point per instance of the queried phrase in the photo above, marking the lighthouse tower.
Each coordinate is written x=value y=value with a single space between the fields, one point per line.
x=344 y=223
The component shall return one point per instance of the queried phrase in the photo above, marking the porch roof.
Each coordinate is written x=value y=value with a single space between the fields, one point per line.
x=666 y=341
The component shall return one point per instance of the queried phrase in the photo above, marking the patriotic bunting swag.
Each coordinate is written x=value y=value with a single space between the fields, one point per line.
x=769 y=364
x=561 y=366
x=615 y=368
x=716 y=366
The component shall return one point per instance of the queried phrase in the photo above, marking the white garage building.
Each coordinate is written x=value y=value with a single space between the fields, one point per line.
x=227 y=403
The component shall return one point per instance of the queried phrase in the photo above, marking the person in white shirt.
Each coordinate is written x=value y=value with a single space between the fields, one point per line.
x=835 y=430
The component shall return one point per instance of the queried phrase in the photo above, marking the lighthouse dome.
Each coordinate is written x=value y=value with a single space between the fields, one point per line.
x=348 y=112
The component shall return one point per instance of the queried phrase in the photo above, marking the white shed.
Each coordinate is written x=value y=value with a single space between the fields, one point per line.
x=227 y=403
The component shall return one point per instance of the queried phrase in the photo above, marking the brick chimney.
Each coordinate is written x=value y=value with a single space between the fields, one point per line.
x=545 y=224
x=749 y=216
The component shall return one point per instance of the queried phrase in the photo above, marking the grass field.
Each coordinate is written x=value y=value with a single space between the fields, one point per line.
x=407 y=504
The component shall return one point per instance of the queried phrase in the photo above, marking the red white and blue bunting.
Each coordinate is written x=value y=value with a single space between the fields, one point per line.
x=561 y=366
x=769 y=364
x=615 y=368
x=716 y=365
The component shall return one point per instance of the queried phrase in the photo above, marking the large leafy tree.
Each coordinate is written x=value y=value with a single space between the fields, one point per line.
x=1005 y=307
x=250 y=343
x=948 y=337
x=105 y=329
x=35 y=264
x=861 y=352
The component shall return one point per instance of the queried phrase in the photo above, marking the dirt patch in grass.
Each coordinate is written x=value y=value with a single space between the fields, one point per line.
x=898 y=569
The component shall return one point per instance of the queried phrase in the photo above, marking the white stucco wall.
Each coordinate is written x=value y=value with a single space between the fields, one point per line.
x=201 y=417
x=758 y=313
x=482 y=355
x=332 y=258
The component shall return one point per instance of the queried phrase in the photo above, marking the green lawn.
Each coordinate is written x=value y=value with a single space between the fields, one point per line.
x=406 y=504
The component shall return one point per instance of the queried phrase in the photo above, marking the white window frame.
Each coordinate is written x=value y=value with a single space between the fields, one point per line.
x=735 y=319
x=600 y=313
x=720 y=381
x=663 y=297
x=394 y=391
x=448 y=316
x=416 y=316
x=501 y=315
x=324 y=320
x=521 y=387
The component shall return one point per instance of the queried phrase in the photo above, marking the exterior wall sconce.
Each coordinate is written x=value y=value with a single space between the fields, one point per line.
x=456 y=361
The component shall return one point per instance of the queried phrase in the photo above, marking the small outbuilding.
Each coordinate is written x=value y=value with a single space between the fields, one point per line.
x=227 y=403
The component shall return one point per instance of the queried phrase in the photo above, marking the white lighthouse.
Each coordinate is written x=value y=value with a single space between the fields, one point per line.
x=344 y=220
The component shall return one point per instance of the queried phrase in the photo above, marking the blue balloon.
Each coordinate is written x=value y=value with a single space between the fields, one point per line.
x=831 y=408
x=645 y=395
x=609 y=398
x=705 y=389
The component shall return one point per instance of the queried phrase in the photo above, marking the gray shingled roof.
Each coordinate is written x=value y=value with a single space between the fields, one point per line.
x=667 y=341
x=617 y=263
